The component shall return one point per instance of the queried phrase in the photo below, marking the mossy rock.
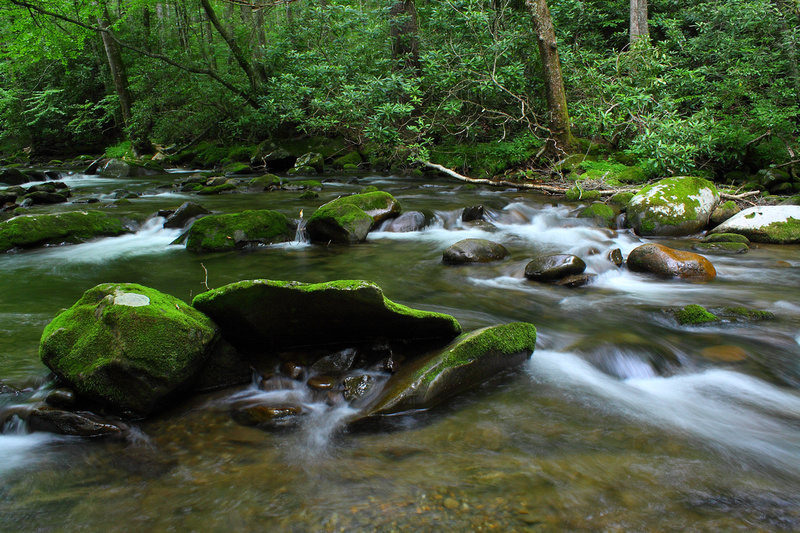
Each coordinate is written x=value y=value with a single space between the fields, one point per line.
x=622 y=199
x=313 y=160
x=221 y=233
x=741 y=312
x=467 y=362
x=726 y=237
x=779 y=224
x=348 y=219
x=303 y=184
x=26 y=231
x=693 y=315
x=724 y=248
x=237 y=168
x=612 y=173
x=577 y=193
x=723 y=212
x=267 y=182
x=264 y=315
x=601 y=213
x=217 y=189
x=351 y=158
x=673 y=207
x=127 y=347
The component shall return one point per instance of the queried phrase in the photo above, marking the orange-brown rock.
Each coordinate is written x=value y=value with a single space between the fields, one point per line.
x=665 y=261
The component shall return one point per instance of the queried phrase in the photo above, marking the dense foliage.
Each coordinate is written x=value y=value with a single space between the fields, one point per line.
x=716 y=87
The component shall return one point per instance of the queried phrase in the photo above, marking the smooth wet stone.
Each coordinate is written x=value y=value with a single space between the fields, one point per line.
x=553 y=267
x=576 y=280
x=61 y=398
x=667 y=262
x=474 y=251
x=468 y=361
x=293 y=370
x=322 y=383
x=258 y=415
x=78 y=423
x=724 y=248
x=777 y=224
x=472 y=213
x=186 y=212
x=407 y=222
x=615 y=256
x=258 y=316
x=128 y=358
x=673 y=207
x=336 y=363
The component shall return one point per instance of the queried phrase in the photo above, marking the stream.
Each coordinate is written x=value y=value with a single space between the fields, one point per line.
x=622 y=420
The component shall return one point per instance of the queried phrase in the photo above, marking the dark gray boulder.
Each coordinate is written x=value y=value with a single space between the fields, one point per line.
x=553 y=267
x=474 y=251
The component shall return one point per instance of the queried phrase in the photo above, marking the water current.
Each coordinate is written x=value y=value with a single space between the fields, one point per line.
x=622 y=420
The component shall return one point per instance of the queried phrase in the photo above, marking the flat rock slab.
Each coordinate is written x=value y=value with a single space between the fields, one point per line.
x=774 y=224
x=259 y=316
x=468 y=361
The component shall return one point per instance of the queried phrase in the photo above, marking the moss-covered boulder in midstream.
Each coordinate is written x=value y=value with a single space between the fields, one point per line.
x=127 y=347
x=27 y=231
x=468 y=361
x=258 y=316
x=673 y=207
x=603 y=214
x=694 y=314
x=775 y=224
x=349 y=219
x=221 y=233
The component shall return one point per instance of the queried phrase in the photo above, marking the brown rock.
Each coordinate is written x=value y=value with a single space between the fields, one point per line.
x=664 y=261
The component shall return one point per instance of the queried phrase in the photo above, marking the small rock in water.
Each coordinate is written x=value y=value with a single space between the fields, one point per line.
x=554 y=267
x=322 y=382
x=578 y=280
x=615 y=256
x=472 y=213
x=257 y=415
x=79 y=423
x=61 y=398
x=474 y=251
x=337 y=363
x=726 y=353
x=356 y=387
x=450 y=503
x=292 y=369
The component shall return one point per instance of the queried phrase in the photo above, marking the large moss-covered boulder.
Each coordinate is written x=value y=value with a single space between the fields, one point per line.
x=127 y=347
x=263 y=315
x=776 y=224
x=469 y=360
x=474 y=251
x=349 y=219
x=27 y=231
x=673 y=207
x=668 y=262
x=221 y=233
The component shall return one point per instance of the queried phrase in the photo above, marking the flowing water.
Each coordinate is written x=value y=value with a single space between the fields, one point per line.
x=622 y=419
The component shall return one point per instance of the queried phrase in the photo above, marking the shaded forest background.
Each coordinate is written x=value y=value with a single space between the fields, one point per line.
x=715 y=88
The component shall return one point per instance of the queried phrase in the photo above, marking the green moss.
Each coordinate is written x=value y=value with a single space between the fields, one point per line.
x=601 y=212
x=622 y=199
x=726 y=237
x=370 y=188
x=309 y=195
x=749 y=314
x=352 y=158
x=729 y=248
x=693 y=315
x=670 y=202
x=267 y=181
x=490 y=158
x=577 y=193
x=126 y=355
x=76 y=226
x=784 y=232
x=217 y=189
x=218 y=233
x=305 y=184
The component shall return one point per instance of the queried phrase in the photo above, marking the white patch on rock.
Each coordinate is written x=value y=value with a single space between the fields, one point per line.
x=757 y=217
x=131 y=299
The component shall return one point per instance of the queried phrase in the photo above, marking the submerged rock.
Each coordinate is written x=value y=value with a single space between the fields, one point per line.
x=349 y=219
x=27 y=231
x=263 y=315
x=726 y=248
x=221 y=233
x=474 y=251
x=127 y=347
x=554 y=267
x=75 y=423
x=469 y=361
x=778 y=224
x=673 y=207
x=664 y=261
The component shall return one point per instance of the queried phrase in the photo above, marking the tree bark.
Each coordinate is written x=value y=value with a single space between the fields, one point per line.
x=553 y=79
x=251 y=73
x=639 y=26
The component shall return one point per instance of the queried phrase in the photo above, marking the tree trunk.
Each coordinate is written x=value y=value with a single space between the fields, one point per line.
x=403 y=31
x=639 y=20
x=139 y=142
x=250 y=72
x=553 y=80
